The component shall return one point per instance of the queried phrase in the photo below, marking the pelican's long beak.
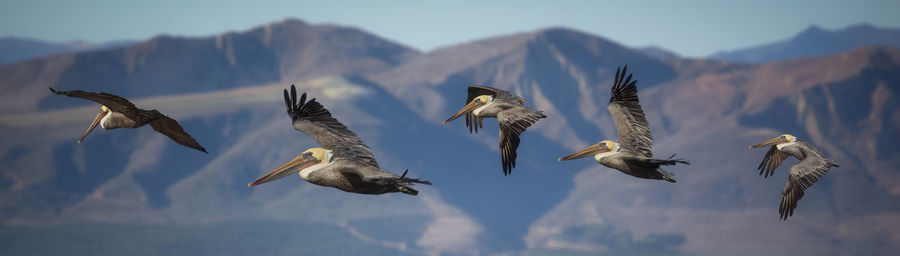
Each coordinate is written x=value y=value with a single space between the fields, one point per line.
x=468 y=108
x=295 y=165
x=93 y=124
x=773 y=141
x=589 y=151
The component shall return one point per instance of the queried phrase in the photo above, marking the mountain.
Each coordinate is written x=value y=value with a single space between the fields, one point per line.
x=815 y=41
x=14 y=49
x=658 y=52
x=708 y=111
x=286 y=50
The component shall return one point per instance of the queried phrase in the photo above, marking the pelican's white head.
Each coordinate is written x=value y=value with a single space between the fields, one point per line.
x=598 y=151
x=486 y=99
x=311 y=160
x=475 y=106
x=784 y=139
x=789 y=138
x=97 y=120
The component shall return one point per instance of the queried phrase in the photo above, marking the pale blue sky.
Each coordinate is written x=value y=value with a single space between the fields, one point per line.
x=690 y=28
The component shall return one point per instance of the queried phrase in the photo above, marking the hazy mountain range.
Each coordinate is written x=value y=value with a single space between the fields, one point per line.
x=226 y=91
x=815 y=41
x=14 y=49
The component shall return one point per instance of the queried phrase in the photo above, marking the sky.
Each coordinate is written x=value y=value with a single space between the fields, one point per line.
x=690 y=28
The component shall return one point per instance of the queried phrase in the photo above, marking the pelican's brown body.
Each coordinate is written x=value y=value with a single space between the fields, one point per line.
x=343 y=162
x=513 y=117
x=812 y=166
x=117 y=112
x=645 y=169
x=633 y=154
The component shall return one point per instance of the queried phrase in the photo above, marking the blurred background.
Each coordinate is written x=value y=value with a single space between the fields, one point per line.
x=714 y=77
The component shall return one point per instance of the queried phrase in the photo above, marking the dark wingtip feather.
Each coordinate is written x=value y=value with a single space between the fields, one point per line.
x=287 y=102
x=618 y=76
x=293 y=94
x=56 y=92
x=669 y=179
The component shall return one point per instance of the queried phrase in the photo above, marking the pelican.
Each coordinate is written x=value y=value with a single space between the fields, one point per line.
x=811 y=167
x=117 y=112
x=632 y=155
x=512 y=117
x=343 y=161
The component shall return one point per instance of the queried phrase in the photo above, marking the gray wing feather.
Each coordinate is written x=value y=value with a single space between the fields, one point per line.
x=772 y=160
x=113 y=102
x=802 y=176
x=168 y=126
x=512 y=123
x=631 y=124
x=478 y=90
x=314 y=120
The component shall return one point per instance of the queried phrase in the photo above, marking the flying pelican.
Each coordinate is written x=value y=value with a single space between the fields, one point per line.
x=632 y=155
x=512 y=117
x=811 y=167
x=117 y=112
x=343 y=161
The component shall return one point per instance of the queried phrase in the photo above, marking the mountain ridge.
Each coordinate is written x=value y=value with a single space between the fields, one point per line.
x=13 y=49
x=815 y=41
x=165 y=64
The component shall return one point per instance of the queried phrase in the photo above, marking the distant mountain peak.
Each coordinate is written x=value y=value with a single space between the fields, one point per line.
x=815 y=41
x=556 y=32
x=658 y=52
x=287 y=23
x=812 y=30
x=559 y=30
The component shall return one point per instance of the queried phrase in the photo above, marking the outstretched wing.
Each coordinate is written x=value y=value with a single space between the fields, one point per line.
x=631 y=125
x=512 y=123
x=113 y=102
x=802 y=176
x=314 y=120
x=168 y=126
x=772 y=160
x=478 y=90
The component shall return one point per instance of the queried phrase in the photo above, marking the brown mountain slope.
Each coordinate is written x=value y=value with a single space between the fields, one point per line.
x=162 y=65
